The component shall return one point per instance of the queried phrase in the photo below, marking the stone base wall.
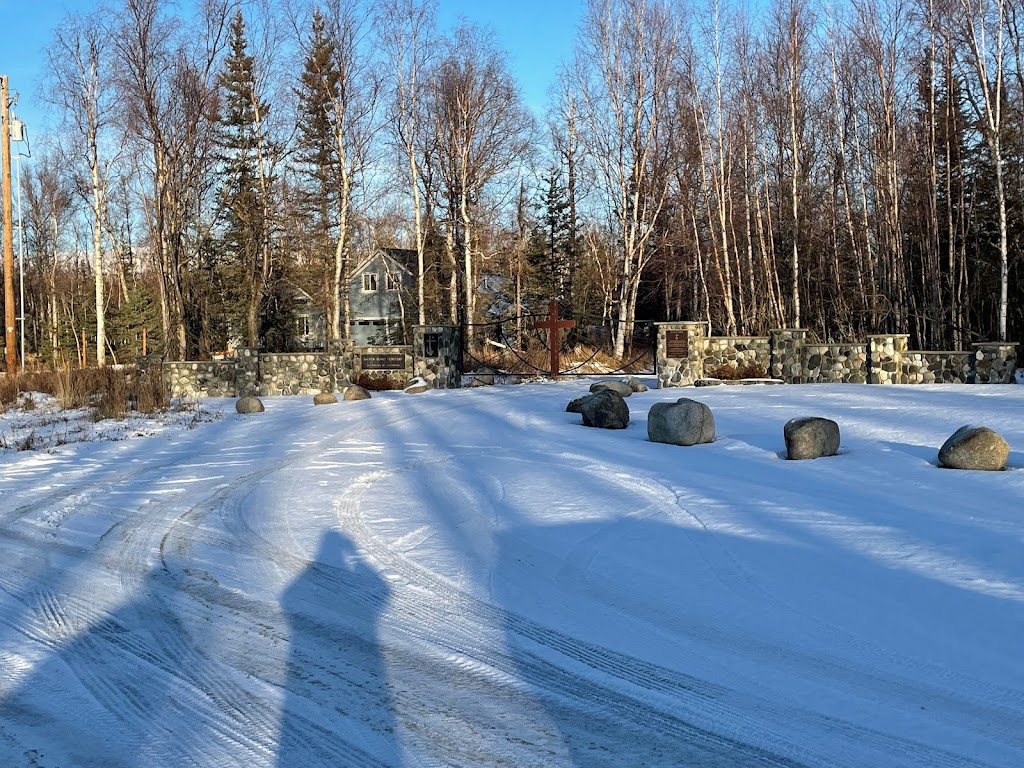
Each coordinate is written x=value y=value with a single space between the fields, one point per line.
x=201 y=379
x=300 y=373
x=252 y=373
x=736 y=352
x=787 y=355
x=921 y=367
x=834 y=364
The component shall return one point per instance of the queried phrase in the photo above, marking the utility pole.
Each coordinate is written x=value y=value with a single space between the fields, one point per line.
x=11 y=354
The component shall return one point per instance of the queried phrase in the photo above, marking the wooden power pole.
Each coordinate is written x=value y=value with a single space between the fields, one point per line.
x=11 y=353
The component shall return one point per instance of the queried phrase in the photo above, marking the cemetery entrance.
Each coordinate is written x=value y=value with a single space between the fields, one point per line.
x=548 y=343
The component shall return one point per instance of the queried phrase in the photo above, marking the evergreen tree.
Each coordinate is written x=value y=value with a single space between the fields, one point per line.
x=246 y=189
x=550 y=258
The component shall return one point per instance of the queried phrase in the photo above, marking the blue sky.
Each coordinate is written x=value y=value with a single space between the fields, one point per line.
x=538 y=35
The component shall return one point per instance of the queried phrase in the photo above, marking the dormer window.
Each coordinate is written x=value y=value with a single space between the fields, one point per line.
x=370 y=282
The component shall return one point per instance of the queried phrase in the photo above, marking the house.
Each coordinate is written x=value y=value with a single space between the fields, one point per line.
x=378 y=291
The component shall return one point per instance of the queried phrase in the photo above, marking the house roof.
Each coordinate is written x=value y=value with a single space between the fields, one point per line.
x=402 y=258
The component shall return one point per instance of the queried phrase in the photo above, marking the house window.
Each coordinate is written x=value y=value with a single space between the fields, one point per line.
x=370 y=282
x=391 y=282
x=302 y=324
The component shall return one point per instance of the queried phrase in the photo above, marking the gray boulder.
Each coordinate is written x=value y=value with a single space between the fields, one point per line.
x=684 y=422
x=811 y=437
x=974 y=448
x=249 y=405
x=324 y=398
x=618 y=387
x=576 y=406
x=634 y=384
x=355 y=392
x=483 y=377
x=605 y=410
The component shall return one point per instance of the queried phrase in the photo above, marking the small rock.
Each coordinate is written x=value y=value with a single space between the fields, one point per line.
x=355 y=392
x=974 y=448
x=416 y=386
x=249 y=405
x=811 y=437
x=618 y=387
x=684 y=422
x=483 y=377
x=606 y=410
x=324 y=398
x=634 y=384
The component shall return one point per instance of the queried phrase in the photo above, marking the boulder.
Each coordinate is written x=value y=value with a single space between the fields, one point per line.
x=634 y=384
x=324 y=398
x=606 y=410
x=684 y=422
x=974 y=448
x=416 y=386
x=249 y=405
x=620 y=388
x=576 y=405
x=355 y=392
x=811 y=437
x=483 y=377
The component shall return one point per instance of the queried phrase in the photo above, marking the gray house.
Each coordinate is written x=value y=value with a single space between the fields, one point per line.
x=380 y=286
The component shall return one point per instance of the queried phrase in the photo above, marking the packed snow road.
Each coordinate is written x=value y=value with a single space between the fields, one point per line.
x=471 y=578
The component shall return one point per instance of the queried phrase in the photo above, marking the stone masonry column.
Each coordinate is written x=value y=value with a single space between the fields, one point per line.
x=680 y=355
x=436 y=354
x=247 y=372
x=885 y=358
x=994 y=362
x=787 y=354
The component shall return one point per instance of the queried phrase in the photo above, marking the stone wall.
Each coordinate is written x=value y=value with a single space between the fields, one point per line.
x=439 y=363
x=737 y=352
x=200 y=379
x=834 y=363
x=994 y=363
x=301 y=373
x=920 y=367
x=788 y=355
x=251 y=372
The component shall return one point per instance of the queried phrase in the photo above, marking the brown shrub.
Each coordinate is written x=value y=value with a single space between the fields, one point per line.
x=729 y=372
x=378 y=382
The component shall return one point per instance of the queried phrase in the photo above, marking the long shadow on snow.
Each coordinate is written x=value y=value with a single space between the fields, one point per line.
x=337 y=709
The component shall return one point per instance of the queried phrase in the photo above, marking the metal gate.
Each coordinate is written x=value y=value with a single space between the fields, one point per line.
x=516 y=345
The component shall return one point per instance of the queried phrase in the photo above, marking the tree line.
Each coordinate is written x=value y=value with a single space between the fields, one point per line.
x=851 y=168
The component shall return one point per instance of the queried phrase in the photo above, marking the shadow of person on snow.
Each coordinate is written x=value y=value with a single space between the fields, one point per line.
x=337 y=709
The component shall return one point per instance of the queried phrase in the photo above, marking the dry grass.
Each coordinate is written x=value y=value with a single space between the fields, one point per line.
x=111 y=392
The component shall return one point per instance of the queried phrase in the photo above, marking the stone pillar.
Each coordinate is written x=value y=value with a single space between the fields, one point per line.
x=341 y=361
x=787 y=354
x=680 y=354
x=247 y=372
x=994 y=362
x=885 y=358
x=437 y=355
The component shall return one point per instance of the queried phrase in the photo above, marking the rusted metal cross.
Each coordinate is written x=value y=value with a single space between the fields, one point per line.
x=554 y=325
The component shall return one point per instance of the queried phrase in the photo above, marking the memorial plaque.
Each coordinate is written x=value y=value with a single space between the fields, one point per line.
x=677 y=345
x=382 y=362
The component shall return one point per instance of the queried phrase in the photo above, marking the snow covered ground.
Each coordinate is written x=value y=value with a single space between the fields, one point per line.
x=472 y=578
